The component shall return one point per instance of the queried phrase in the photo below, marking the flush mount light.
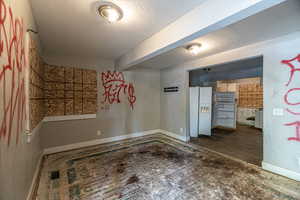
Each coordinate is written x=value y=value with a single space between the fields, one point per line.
x=110 y=12
x=194 y=48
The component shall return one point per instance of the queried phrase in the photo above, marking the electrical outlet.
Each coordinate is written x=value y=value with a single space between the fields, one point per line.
x=99 y=133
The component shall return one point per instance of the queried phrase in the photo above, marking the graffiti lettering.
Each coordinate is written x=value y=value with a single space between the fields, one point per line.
x=293 y=68
x=297 y=125
x=131 y=97
x=113 y=84
x=12 y=74
x=291 y=63
x=286 y=97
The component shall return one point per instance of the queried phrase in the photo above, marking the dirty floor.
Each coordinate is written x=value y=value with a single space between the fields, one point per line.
x=156 y=168
x=244 y=143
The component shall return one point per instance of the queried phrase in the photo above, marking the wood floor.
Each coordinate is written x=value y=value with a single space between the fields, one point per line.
x=156 y=167
x=246 y=143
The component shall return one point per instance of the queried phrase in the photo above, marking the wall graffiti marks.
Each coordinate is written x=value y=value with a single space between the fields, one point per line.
x=291 y=63
x=114 y=85
x=131 y=97
x=293 y=68
x=12 y=74
x=286 y=100
x=297 y=126
x=292 y=112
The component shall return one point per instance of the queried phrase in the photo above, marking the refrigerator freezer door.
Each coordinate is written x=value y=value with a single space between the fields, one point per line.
x=205 y=111
x=194 y=107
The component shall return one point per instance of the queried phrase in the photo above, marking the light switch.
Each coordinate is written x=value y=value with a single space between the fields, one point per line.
x=277 y=112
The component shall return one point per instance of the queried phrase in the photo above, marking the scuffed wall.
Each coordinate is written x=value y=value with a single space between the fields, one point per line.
x=70 y=91
x=36 y=87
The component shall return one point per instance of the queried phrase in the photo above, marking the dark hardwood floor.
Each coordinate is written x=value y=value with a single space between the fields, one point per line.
x=245 y=143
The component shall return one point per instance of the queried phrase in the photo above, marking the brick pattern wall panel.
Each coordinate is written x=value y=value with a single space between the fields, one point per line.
x=250 y=96
x=36 y=87
x=248 y=91
x=75 y=90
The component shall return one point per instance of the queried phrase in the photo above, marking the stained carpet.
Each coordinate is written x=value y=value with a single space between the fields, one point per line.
x=154 y=168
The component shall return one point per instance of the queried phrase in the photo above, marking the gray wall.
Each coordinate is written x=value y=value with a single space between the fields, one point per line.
x=116 y=121
x=278 y=151
x=18 y=162
x=173 y=105
x=17 y=167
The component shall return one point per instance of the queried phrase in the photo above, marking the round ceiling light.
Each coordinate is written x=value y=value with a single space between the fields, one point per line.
x=110 y=12
x=194 y=49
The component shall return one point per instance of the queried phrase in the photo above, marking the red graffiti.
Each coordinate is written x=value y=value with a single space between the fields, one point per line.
x=12 y=74
x=290 y=63
x=290 y=103
x=297 y=125
x=292 y=112
x=286 y=97
x=114 y=83
x=131 y=97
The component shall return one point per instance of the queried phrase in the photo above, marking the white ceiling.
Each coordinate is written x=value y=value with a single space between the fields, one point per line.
x=72 y=27
x=271 y=23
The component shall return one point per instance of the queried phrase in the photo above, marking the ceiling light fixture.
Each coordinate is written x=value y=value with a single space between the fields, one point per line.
x=194 y=48
x=110 y=12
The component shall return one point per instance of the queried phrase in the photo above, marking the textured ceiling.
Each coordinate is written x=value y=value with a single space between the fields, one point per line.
x=271 y=23
x=72 y=27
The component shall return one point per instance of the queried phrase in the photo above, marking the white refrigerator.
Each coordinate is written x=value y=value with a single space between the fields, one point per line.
x=200 y=111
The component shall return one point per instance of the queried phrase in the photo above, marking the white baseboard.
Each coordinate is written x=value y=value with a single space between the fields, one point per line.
x=35 y=178
x=174 y=135
x=36 y=130
x=97 y=141
x=278 y=170
x=69 y=117
x=110 y=139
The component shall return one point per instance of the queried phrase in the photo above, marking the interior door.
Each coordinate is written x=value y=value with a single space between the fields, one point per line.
x=205 y=110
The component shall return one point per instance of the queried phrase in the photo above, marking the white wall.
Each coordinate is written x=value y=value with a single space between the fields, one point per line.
x=278 y=151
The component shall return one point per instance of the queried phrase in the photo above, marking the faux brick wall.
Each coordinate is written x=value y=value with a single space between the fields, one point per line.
x=36 y=87
x=250 y=96
x=249 y=91
x=70 y=91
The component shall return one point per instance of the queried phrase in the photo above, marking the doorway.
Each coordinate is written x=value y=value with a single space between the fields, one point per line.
x=226 y=109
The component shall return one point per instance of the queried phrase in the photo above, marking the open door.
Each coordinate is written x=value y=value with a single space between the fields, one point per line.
x=225 y=110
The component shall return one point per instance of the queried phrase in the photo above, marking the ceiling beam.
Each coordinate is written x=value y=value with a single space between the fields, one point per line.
x=210 y=16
